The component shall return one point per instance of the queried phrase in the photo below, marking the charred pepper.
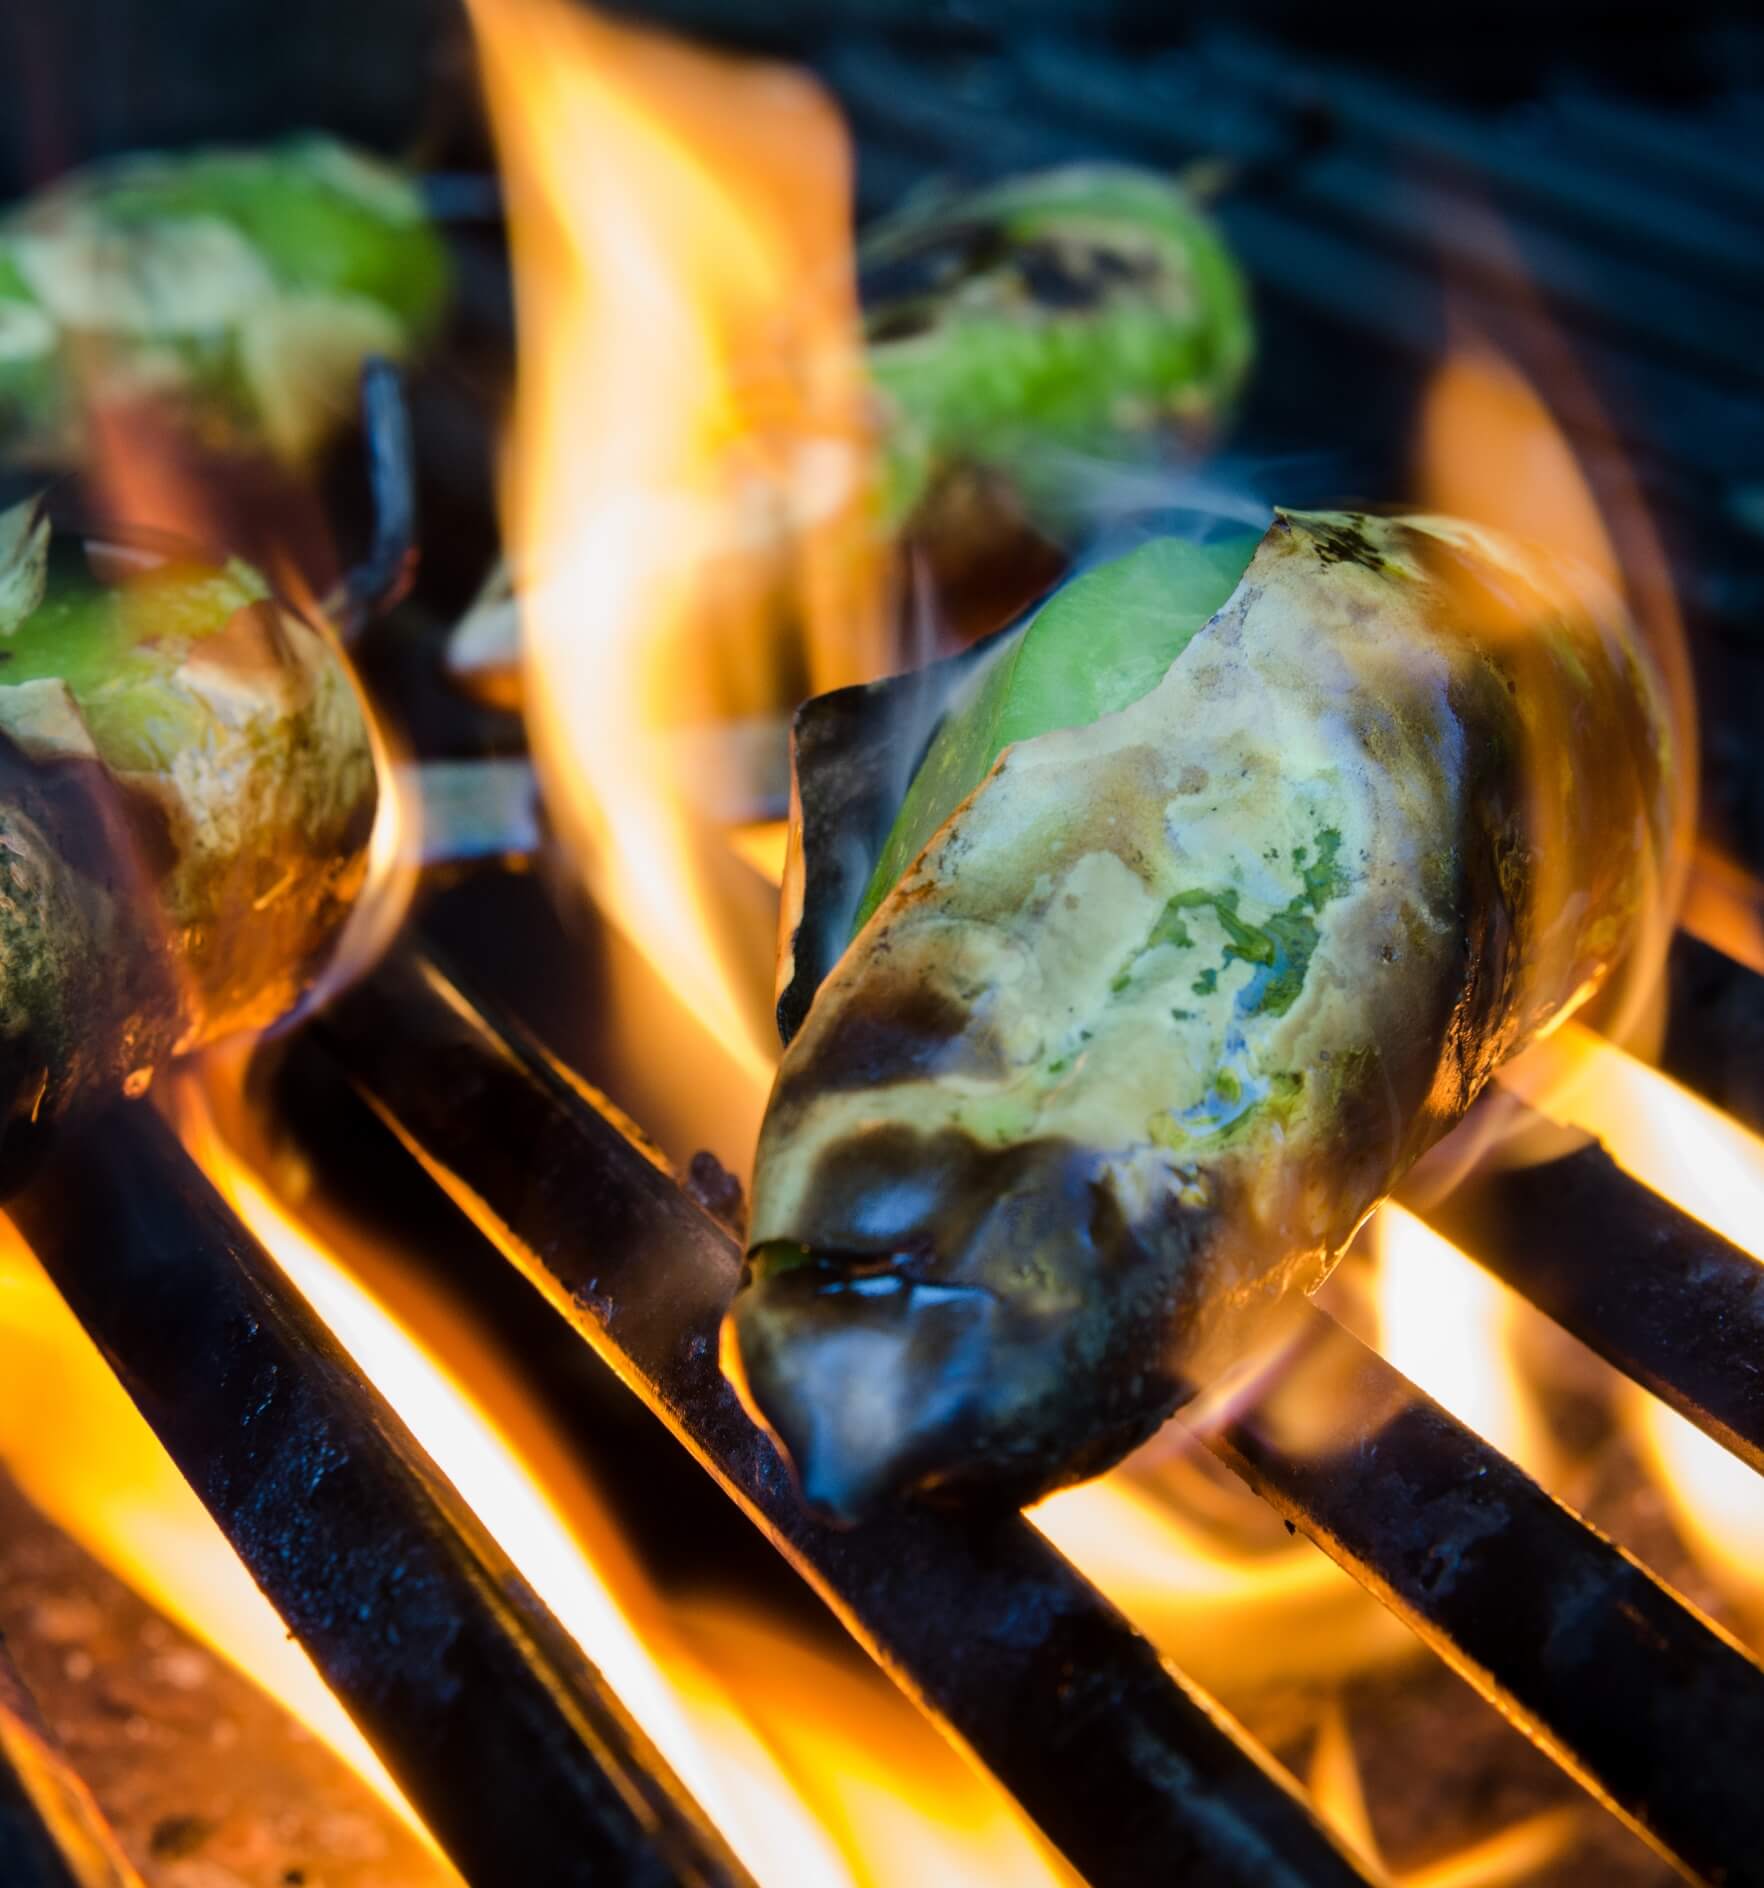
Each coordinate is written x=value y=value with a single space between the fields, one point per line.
x=1018 y=333
x=1225 y=886
x=243 y=288
x=187 y=789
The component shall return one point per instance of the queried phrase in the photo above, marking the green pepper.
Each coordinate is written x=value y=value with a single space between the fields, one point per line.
x=243 y=287
x=187 y=789
x=1018 y=330
x=1016 y=336
x=1172 y=997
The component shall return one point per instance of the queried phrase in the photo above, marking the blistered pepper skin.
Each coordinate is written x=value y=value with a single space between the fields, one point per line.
x=1020 y=333
x=1173 y=1000
x=186 y=802
x=237 y=290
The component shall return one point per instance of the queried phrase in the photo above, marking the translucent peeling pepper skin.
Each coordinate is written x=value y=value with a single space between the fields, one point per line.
x=1173 y=999
x=186 y=794
x=243 y=288
x=1061 y=316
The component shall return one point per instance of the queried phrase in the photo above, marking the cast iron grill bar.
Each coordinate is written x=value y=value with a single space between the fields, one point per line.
x=509 y=1743
x=1715 y=1029
x=1133 y=1774
x=1534 y=1607
x=52 y=1834
x=1635 y=1278
x=1685 y=228
x=1613 y=1675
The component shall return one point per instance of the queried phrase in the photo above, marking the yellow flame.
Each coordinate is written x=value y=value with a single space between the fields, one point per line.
x=687 y=480
x=1448 y=1327
x=1513 y=1854
x=1699 y=1158
x=800 y=1778
x=99 y=1473
x=879 y=1776
x=1236 y=1621
x=705 y=1739
x=1724 y=906
x=1335 y=1784
x=1709 y=1165
x=1516 y=1854
x=764 y=845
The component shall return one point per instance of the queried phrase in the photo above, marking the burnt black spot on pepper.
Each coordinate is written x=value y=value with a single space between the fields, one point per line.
x=898 y=1032
x=933 y=261
x=1022 y=1325
x=1343 y=543
x=1060 y=277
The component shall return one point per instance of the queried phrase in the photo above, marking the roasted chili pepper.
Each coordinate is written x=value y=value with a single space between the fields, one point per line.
x=1217 y=899
x=187 y=789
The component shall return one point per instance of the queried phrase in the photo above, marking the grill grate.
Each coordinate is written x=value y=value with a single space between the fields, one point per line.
x=498 y=1730
x=1539 y=1612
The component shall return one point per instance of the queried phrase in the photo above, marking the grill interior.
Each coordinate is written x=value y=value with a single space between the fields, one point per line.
x=1372 y=197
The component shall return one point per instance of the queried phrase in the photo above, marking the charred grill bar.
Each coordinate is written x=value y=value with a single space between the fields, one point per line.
x=1600 y=1663
x=1652 y=1290
x=520 y=1760
x=1537 y=1610
x=1130 y=1773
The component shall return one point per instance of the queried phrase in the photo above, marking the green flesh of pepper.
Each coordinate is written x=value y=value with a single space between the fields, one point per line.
x=117 y=650
x=1071 y=311
x=1098 y=645
x=323 y=219
x=249 y=285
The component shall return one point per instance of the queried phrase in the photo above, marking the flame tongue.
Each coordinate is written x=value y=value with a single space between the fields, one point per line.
x=688 y=483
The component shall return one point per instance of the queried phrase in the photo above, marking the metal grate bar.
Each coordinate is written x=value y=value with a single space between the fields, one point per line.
x=1538 y=1610
x=1684 y=226
x=1652 y=1290
x=518 y=1757
x=1609 y=1671
x=1129 y=1771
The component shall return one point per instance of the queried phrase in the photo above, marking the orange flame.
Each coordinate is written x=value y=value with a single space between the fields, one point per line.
x=99 y=1473
x=1708 y=1164
x=688 y=477
x=1725 y=907
x=817 y=1772
x=1491 y=449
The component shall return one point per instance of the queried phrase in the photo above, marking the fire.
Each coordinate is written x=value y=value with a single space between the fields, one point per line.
x=1491 y=448
x=99 y=1473
x=687 y=484
x=1724 y=906
x=1681 y=1146
x=1236 y=1620
x=816 y=1771
x=1447 y=1326
x=1707 y=1163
